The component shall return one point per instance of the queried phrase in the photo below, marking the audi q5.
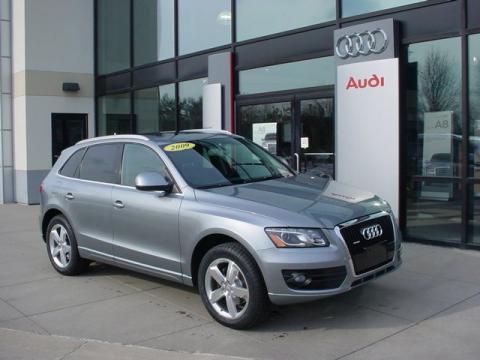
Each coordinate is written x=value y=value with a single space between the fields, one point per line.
x=215 y=211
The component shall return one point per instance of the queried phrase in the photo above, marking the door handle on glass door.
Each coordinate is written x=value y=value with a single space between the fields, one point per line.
x=297 y=162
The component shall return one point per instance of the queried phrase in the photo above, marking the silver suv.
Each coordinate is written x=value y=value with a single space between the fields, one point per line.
x=213 y=210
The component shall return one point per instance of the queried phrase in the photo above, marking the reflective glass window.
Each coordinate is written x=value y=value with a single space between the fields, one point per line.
x=113 y=35
x=155 y=109
x=258 y=18
x=70 y=167
x=268 y=125
x=474 y=103
x=114 y=114
x=294 y=75
x=102 y=163
x=154 y=30
x=137 y=159
x=203 y=24
x=434 y=211
x=474 y=222
x=357 y=7
x=190 y=103
x=434 y=126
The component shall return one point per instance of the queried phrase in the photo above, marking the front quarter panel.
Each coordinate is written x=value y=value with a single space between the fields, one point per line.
x=198 y=220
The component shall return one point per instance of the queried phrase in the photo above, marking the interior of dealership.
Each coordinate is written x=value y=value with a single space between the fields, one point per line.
x=152 y=64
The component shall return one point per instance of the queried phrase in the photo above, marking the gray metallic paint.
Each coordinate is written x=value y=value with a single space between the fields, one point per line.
x=158 y=235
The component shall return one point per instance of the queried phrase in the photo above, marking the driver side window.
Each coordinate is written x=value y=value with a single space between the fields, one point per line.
x=137 y=159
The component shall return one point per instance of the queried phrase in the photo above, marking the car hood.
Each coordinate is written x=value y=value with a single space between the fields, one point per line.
x=298 y=200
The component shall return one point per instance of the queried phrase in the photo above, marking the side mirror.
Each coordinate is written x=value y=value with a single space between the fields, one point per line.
x=153 y=181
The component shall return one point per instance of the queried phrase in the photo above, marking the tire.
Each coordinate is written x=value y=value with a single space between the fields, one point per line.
x=237 y=298
x=62 y=248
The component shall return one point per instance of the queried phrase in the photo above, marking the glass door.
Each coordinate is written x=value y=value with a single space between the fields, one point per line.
x=297 y=128
x=268 y=125
x=67 y=130
x=316 y=145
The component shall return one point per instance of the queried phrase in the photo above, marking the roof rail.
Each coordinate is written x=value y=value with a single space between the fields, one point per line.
x=121 y=136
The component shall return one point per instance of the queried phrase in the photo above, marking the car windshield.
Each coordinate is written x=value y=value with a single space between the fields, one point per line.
x=224 y=160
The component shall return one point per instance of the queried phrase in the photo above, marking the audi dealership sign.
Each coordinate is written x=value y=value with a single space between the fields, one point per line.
x=366 y=42
x=367 y=110
x=361 y=43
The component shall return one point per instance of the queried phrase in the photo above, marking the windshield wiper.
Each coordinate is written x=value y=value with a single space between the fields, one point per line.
x=240 y=182
x=211 y=186
x=265 y=178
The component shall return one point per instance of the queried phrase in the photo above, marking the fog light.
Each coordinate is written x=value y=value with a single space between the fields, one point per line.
x=300 y=279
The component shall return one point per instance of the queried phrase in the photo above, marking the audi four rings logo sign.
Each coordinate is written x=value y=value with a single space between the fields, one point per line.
x=372 y=232
x=363 y=43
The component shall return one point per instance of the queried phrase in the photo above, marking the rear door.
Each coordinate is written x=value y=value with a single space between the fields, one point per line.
x=145 y=224
x=90 y=198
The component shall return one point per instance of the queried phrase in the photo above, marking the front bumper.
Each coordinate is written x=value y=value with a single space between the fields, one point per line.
x=274 y=260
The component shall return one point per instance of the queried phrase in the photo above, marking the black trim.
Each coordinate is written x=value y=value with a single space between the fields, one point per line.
x=316 y=279
x=465 y=125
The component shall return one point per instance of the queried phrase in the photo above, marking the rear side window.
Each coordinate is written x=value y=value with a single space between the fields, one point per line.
x=102 y=163
x=137 y=159
x=70 y=167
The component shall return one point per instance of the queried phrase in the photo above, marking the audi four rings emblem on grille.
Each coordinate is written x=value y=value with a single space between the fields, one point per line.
x=364 y=43
x=372 y=232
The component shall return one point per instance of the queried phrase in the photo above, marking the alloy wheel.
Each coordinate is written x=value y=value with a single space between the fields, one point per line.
x=60 y=247
x=226 y=288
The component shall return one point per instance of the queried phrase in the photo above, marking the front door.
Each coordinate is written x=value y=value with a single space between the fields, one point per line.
x=67 y=130
x=298 y=128
x=145 y=225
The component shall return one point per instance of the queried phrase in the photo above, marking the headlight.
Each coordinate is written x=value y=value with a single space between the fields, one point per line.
x=298 y=238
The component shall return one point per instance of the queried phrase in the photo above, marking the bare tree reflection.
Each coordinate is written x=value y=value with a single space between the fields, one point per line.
x=438 y=83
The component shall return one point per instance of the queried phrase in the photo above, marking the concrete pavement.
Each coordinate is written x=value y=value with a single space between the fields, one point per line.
x=430 y=308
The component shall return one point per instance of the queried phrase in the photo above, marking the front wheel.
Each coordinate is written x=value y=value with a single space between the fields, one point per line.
x=231 y=286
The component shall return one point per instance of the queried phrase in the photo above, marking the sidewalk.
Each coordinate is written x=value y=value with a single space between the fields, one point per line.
x=16 y=344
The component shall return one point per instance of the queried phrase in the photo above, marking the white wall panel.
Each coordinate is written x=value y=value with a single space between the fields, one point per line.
x=60 y=35
x=39 y=114
x=367 y=129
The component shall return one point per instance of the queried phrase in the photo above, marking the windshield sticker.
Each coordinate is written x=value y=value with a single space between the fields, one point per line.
x=179 y=146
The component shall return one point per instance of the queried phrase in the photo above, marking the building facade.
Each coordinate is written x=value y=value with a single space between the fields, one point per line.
x=72 y=69
x=45 y=44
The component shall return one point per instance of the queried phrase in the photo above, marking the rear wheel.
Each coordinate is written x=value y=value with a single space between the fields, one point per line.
x=62 y=247
x=231 y=287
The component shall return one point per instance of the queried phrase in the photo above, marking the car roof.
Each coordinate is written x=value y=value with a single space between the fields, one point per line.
x=164 y=137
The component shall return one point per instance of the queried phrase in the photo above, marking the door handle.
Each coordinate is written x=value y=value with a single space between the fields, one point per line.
x=69 y=196
x=118 y=204
x=297 y=162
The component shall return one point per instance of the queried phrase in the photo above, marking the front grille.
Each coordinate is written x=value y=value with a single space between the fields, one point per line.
x=319 y=279
x=370 y=254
